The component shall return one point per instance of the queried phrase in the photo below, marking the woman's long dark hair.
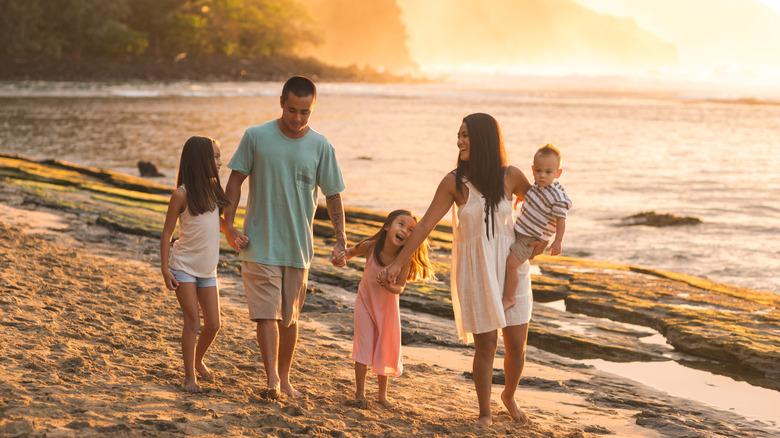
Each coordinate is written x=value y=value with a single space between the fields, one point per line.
x=198 y=173
x=486 y=165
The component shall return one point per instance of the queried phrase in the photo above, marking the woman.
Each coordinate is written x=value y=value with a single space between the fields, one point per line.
x=481 y=188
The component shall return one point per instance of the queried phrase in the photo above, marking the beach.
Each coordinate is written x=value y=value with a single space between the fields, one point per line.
x=91 y=348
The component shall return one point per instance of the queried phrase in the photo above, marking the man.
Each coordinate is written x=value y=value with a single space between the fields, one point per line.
x=286 y=161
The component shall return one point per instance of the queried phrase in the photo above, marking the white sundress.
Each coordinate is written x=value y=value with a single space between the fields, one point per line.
x=479 y=268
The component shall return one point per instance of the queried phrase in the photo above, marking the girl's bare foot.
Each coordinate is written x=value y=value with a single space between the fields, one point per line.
x=484 y=421
x=514 y=411
x=205 y=372
x=384 y=401
x=191 y=386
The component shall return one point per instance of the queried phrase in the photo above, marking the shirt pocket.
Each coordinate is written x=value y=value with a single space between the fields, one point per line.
x=305 y=178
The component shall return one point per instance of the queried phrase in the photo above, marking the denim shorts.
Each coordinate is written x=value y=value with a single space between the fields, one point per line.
x=183 y=277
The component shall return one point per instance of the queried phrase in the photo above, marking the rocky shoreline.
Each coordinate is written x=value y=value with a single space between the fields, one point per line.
x=206 y=68
x=727 y=330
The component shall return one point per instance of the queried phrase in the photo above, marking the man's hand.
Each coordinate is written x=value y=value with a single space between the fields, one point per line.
x=339 y=255
x=236 y=240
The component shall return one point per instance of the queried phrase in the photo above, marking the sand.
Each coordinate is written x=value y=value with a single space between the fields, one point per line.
x=90 y=342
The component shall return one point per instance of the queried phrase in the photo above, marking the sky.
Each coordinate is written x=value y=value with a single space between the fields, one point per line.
x=773 y=3
x=720 y=40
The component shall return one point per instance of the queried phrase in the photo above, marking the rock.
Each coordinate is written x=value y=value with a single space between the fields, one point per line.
x=653 y=219
x=146 y=168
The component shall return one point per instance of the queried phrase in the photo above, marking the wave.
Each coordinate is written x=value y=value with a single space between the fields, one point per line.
x=742 y=90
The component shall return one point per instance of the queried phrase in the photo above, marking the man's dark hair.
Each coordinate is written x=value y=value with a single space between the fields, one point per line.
x=300 y=86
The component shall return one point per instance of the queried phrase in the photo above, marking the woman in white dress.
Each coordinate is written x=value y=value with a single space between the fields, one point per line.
x=481 y=189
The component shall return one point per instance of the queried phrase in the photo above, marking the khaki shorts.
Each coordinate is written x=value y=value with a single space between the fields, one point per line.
x=520 y=248
x=274 y=292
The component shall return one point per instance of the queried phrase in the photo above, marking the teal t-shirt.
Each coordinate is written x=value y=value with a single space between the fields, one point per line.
x=284 y=176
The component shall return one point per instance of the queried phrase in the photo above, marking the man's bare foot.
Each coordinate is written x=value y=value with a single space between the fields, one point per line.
x=205 y=372
x=270 y=393
x=508 y=302
x=484 y=421
x=511 y=406
x=191 y=386
x=289 y=390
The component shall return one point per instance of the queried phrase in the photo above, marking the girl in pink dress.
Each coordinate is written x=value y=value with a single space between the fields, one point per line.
x=377 y=338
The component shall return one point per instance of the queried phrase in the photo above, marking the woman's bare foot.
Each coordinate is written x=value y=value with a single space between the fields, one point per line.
x=191 y=386
x=508 y=302
x=205 y=372
x=484 y=421
x=514 y=411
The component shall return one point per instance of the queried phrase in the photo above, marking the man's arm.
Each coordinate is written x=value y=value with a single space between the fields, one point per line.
x=233 y=191
x=336 y=213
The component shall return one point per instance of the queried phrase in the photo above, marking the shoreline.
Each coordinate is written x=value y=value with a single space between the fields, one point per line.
x=206 y=68
x=64 y=212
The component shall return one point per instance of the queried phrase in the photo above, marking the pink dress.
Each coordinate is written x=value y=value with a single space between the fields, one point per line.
x=377 y=324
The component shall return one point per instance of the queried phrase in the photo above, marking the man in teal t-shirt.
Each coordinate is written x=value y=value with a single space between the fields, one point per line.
x=286 y=162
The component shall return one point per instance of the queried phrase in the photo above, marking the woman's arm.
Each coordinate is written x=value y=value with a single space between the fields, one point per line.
x=176 y=205
x=516 y=182
x=398 y=287
x=441 y=203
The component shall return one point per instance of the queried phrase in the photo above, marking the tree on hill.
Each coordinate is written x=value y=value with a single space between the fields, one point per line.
x=245 y=28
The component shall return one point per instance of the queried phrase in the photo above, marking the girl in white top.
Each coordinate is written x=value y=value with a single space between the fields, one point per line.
x=190 y=267
x=480 y=189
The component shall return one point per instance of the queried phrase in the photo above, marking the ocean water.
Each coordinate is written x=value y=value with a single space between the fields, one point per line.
x=707 y=154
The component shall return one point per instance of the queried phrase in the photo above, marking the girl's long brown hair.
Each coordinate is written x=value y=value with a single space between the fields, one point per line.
x=420 y=267
x=198 y=173
x=486 y=165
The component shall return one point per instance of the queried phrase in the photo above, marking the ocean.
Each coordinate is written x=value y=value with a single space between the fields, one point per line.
x=707 y=154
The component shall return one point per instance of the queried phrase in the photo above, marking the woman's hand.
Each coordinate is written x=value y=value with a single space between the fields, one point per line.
x=539 y=247
x=387 y=277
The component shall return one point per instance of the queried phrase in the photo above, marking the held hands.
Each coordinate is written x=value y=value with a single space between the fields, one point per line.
x=387 y=276
x=236 y=240
x=339 y=255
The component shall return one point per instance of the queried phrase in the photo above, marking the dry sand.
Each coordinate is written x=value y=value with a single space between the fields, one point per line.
x=90 y=347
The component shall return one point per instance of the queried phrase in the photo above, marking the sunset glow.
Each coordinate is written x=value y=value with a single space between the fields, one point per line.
x=729 y=39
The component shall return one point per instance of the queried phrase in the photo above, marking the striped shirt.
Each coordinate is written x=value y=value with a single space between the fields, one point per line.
x=541 y=209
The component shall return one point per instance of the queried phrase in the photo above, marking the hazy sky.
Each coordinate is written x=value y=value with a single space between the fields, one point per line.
x=717 y=38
